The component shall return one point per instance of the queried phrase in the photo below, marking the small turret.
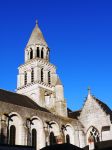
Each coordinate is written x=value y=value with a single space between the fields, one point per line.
x=59 y=90
x=61 y=107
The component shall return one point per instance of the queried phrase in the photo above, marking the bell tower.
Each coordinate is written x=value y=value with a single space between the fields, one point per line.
x=37 y=77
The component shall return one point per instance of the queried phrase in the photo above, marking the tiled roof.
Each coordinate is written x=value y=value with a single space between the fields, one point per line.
x=74 y=114
x=18 y=99
x=104 y=107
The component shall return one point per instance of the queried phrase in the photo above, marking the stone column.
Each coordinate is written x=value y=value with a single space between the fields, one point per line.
x=34 y=52
x=38 y=74
x=21 y=79
x=45 y=76
x=26 y=55
x=45 y=53
x=18 y=81
x=35 y=74
x=3 y=139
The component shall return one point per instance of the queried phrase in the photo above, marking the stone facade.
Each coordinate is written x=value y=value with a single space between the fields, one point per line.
x=93 y=116
x=43 y=130
x=38 y=115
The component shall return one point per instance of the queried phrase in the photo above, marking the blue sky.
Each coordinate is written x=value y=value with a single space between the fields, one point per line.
x=79 y=35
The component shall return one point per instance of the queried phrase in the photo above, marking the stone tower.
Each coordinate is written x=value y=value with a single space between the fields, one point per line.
x=37 y=77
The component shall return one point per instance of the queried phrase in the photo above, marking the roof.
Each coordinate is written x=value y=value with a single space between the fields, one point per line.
x=37 y=37
x=58 y=81
x=74 y=114
x=18 y=99
x=104 y=107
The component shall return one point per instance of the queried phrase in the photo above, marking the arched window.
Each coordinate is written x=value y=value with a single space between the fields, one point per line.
x=12 y=135
x=93 y=134
x=31 y=54
x=34 y=137
x=37 y=51
x=32 y=75
x=52 y=139
x=49 y=78
x=42 y=75
x=42 y=53
x=67 y=138
x=25 y=78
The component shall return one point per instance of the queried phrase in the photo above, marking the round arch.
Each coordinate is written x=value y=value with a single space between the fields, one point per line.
x=55 y=128
x=69 y=133
x=40 y=134
x=17 y=121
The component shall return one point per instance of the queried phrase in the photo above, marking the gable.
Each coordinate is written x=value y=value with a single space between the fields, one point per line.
x=94 y=113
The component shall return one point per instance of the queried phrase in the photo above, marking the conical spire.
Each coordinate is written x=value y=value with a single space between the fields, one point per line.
x=37 y=37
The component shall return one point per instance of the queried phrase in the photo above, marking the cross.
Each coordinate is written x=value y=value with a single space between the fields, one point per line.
x=36 y=21
x=89 y=90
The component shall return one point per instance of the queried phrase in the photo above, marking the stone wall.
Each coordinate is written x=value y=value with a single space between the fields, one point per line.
x=39 y=123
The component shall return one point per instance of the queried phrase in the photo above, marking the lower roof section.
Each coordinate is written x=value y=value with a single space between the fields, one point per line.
x=18 y=99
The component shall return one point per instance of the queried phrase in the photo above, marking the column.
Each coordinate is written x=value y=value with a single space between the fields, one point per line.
x=35 y=74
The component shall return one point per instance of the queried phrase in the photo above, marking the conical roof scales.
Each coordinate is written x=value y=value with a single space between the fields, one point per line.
x=37 y=37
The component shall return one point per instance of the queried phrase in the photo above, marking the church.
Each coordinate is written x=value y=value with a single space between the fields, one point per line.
x=37 y=114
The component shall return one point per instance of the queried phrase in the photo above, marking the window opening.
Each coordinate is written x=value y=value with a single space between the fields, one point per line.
x=42 y=75
x=94 y=134
x=67 y=138
x=25 y=78
x=34 y=137
x=37 y=51
x=42 y=53
x=31 y=54
x=32 y=75
x=52 y=139
x=49 y=78
x=12 y=135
